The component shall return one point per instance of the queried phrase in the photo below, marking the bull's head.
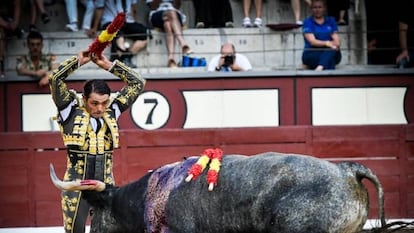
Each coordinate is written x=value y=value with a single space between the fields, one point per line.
x=93 y=193
x=110 y=212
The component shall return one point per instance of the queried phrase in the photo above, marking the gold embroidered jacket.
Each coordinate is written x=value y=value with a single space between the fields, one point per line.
x=74 y=129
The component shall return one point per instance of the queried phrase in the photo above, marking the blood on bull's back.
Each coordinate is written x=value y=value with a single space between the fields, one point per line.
x=274 y=192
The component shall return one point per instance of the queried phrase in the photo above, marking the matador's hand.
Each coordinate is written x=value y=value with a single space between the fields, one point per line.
x=101 y=61
x=84 y=57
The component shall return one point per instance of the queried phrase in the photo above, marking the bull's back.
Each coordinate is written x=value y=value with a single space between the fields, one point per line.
x=269 y=192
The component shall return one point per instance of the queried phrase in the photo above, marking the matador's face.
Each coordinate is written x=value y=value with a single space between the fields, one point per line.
x=96 y=104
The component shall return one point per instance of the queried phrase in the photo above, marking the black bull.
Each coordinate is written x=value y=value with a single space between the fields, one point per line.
x=265 y=193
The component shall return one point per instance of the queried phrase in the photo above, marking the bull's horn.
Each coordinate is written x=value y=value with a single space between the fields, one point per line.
x=75 y=185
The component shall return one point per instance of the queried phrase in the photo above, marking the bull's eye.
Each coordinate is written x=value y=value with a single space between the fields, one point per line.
x=91 y=212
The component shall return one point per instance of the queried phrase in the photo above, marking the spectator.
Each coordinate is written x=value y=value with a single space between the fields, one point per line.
x=382 y=32
x=229 y=60
x=213 y=13
x=405 y=58
x=36 y=7
x=10 y=12
x=246 y=11
x=322 y=42
x=339 y=10
x=72 y=12
x=296 y=7
x=89 y=127
x=9 y=21
x=343 y=12
x=165 y=15
x=36 y=64
x=105 y=13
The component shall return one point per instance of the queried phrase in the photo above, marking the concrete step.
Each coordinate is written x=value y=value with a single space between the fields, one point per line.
x=264 y=47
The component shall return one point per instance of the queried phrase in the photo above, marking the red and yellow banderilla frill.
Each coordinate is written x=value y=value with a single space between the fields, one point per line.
x=107 y=35
x=214 y=156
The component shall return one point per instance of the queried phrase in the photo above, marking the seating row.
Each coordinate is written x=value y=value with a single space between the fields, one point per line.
x=265 y=48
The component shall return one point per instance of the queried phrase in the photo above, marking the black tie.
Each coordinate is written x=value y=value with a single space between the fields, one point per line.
x=98 y=125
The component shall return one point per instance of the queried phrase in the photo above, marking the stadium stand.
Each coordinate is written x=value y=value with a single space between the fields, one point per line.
x=267 y=49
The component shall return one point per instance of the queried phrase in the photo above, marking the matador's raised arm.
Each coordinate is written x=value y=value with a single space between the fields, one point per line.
x=125 y=98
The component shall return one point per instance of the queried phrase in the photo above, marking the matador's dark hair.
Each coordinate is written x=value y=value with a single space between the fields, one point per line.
x=98 y=86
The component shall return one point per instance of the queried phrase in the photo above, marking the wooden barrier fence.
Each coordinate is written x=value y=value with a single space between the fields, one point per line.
x=29 y=198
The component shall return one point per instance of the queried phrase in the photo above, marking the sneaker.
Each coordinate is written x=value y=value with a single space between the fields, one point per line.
x=89 y=33
x=258 y=22
x=45 y=18
x=299 y=22
x=341 y=22
x=33 y=27
x=171 y=63
x=200 y=25
x=246 y=22
x=72 y=27
x=229 y=24
x=186 y=50
x=127 y=61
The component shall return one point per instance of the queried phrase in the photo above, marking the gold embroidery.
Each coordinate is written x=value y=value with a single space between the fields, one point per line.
x=113 y=127
x=92 y=141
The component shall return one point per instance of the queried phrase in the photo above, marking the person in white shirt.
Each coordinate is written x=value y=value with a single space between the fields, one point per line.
x=105 y=12
x=229 y=60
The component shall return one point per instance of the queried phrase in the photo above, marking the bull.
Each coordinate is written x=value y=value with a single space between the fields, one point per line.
x=265 y=193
